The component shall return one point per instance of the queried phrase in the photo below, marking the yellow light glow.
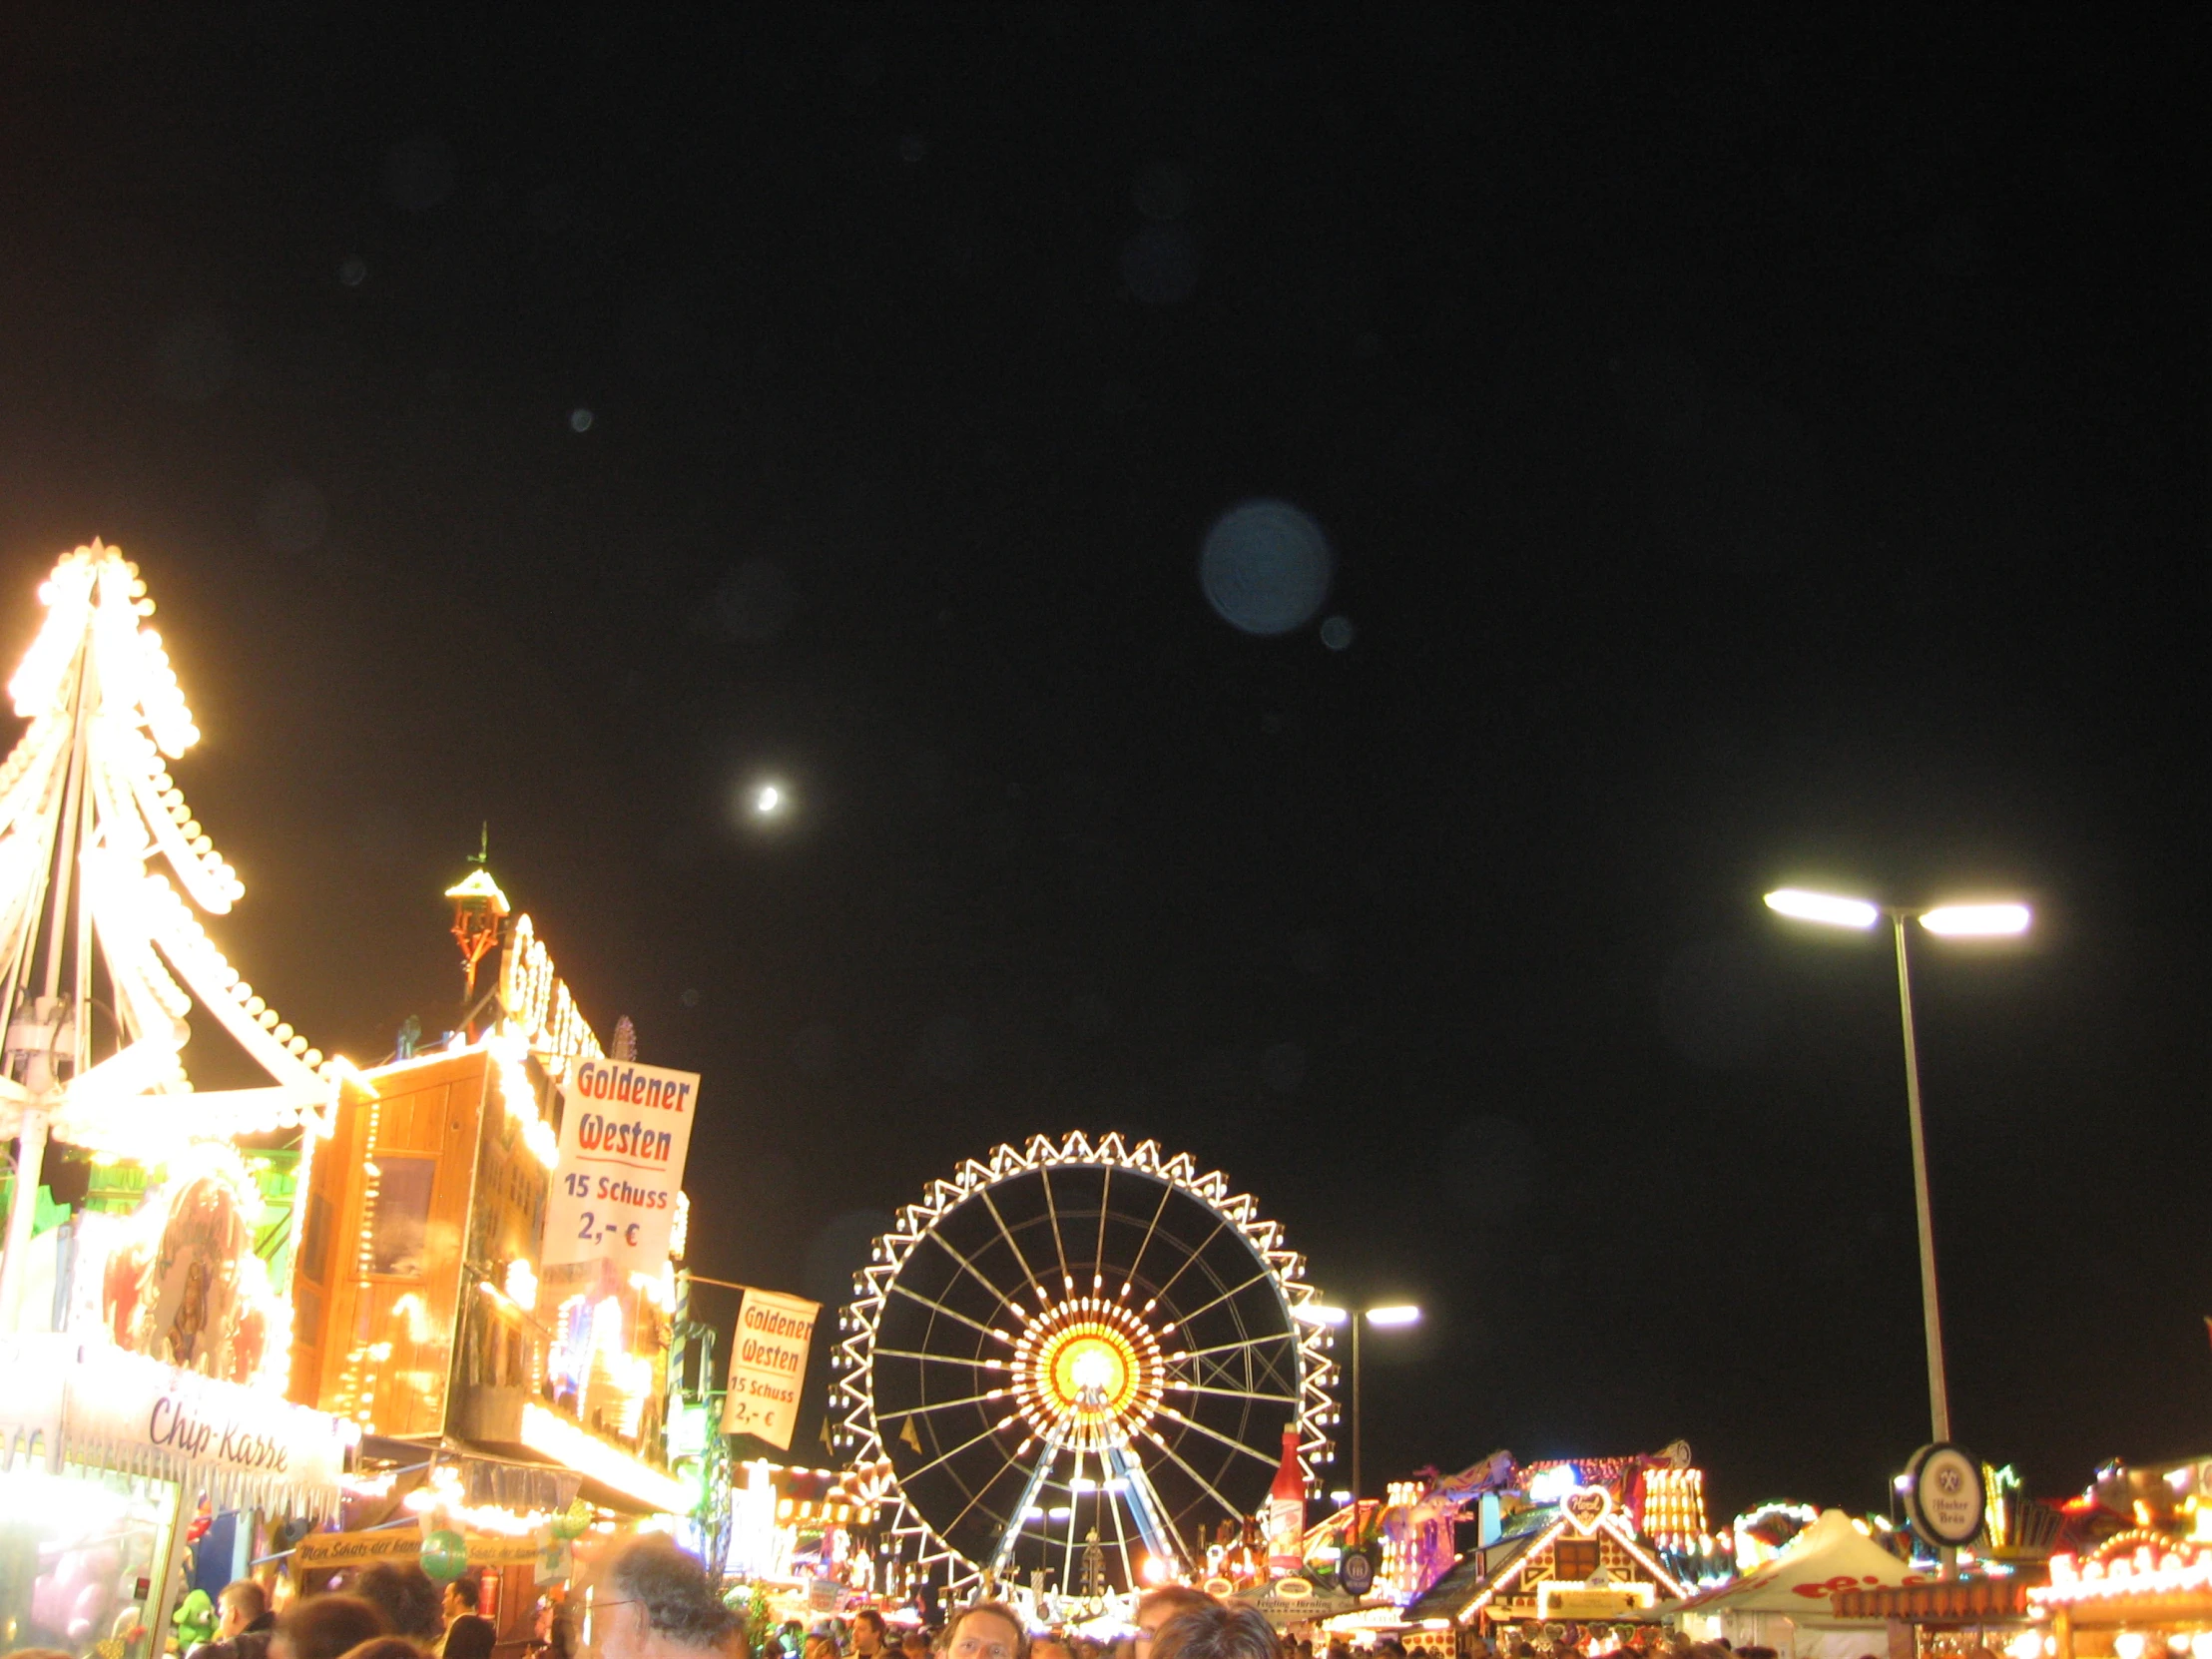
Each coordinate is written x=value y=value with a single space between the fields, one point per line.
x=558 y=1438
x=1087 y=1373
x=97 y=684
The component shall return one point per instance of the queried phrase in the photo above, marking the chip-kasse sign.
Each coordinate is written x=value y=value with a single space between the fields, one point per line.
x=625 y=1132
x=767 y=1366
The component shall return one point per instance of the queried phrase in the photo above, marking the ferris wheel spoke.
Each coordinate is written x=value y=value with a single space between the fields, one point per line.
x=1205 y=1485
x=1121 y=1538
x=1158 y=1210
x=896 y=1289
x=1213 y=1433
x=1235 y=1393
x=948 y=1405
x=1235 y=1347
x=1221 y=1226
x=934 y=1359
x=1006 y=1233
x=980 y=1494
x=947 y=1457
x=1105 y=1208
x=1010 y=1535
x=1052 y=1212
x=1075 y=1514
x=1234 y=1291
x=973 y=1271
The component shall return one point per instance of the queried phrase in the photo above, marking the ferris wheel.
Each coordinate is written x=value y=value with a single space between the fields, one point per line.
x=1075 y=1360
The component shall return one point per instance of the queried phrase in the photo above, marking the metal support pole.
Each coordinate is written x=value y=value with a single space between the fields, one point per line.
x=1356 y=1319
x=1939 y=1398
x=30 y=1170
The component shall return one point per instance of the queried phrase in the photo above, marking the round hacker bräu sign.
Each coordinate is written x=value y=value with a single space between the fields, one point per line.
x=1942 y=1494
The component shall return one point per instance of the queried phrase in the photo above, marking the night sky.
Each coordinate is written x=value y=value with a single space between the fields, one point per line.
x=1752 y=452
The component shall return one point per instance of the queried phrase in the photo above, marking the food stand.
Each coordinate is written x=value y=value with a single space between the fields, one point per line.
x=1786 y=1604
x=2141 y=1595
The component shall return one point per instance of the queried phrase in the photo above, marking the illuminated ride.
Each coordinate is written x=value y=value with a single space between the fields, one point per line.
x=104 y=875
x=1078 y=1359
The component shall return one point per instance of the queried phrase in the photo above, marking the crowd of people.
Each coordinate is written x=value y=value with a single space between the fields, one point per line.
x=1171 y=1622
x=651 y=1600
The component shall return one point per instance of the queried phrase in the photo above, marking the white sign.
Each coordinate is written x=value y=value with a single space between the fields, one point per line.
x=125 y=1410
x=625 y=1130
x=767 y=1366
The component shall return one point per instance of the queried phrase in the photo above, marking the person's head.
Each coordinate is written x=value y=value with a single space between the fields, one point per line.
x=406 y=1596
x=1156 y=1607
x=240 y=1603
x=464 y=1595
x=1050 y=1648
x=914 y=1644
x=985 y=1631
x=867 y=1631
x=323 y=1627
x=1217 y=1632
x=471 y=1638
x=653 y=1601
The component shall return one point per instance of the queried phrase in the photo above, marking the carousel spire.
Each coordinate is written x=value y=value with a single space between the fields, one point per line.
x=102 y=867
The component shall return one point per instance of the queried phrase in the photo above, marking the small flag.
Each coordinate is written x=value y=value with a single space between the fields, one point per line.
x=907 y=1434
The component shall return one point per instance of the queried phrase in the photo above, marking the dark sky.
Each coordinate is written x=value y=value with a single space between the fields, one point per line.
x=1752 y=452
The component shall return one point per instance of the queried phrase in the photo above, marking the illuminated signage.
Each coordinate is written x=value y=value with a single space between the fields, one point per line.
x=625 y=1133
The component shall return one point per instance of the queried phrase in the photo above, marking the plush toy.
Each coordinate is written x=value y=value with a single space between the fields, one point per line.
x=74 y=1595
x=195 y=1621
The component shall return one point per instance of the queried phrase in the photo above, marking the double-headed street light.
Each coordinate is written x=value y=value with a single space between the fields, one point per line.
x=1387 y=1318
x=1948 y=922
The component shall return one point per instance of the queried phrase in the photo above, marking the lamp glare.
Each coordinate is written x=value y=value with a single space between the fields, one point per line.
x=1965 y=921
x=1826 y=909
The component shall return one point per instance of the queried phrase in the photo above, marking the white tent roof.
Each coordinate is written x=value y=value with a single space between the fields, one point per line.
x=1828 y=1556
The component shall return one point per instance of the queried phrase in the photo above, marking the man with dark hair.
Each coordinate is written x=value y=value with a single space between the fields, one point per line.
x=323 y=1627
x=406 y=1596
x=985 y=1631
x=868 y=1635
x=1156 y=1607
x=464 y=1596
x=1217 y=1632
x=244 y=1624
x=653 y=1601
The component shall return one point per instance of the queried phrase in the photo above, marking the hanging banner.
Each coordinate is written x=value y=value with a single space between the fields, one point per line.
x=327 y=1552
x=625 y=1131
x=767 y=1366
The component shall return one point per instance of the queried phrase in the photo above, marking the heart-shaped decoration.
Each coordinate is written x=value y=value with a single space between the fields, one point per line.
x=1586 y=1506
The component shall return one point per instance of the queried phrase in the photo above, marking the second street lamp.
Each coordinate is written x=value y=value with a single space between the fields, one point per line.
x=1948 y=922
x=1389 y=1317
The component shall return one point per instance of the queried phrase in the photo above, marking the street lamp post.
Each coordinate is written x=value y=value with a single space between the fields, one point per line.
x=1945 y=920
x=1387 y=1317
